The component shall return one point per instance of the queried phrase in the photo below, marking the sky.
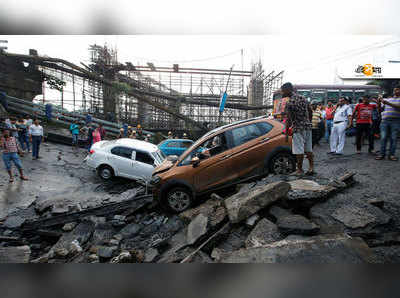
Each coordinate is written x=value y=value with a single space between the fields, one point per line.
x=304 y=58
x=200 y=17
x=307 y=39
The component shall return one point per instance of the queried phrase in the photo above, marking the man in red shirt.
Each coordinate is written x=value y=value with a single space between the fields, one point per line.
x=363 y=112
x=329 y=113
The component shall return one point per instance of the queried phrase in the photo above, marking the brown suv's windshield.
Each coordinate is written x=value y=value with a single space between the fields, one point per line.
x=207 y=148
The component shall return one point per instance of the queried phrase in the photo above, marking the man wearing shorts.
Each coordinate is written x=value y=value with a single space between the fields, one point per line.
x=299 y=113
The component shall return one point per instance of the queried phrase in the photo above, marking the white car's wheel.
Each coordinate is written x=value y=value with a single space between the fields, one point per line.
x=106 y=172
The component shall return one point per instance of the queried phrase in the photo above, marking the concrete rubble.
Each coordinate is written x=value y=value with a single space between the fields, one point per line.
x=240 y=207
x=279 y=219
x=318 y=250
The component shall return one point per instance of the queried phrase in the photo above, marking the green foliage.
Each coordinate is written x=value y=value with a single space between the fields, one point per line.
x=387 y=85
x=54 y=83
x=120 y=87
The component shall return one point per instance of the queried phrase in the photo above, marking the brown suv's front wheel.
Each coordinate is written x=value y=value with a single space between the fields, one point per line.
x=282 y=163
x=179 y=199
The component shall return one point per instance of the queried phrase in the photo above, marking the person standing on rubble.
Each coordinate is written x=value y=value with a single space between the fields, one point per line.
x=74 y=129
x=23 y=134
x=36 y=137
x=341 y=122
x=299 y=113
x=96 y=135
x=103 y=132
x=316 y=120
x=390 y=125
x=328 y=120
x=363 y=114
x=11 y=150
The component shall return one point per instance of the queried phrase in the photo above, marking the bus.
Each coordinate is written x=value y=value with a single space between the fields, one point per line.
x=323 y=93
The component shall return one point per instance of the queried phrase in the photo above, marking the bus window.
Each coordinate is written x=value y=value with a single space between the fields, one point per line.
x=358 y=94
x=318 y=96
x=333 y=95
x=305 y=93
x=347 y=93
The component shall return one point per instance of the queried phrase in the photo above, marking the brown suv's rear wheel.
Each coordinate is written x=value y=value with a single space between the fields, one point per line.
x=282 y=163
x=179 y=199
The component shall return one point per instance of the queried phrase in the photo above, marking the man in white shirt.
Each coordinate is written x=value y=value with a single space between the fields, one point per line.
x=36 y=137
x=341 y=122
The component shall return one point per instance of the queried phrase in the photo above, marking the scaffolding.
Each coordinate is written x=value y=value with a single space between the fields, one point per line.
x=170 y=91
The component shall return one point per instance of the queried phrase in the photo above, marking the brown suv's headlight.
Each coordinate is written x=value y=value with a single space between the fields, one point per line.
x=155 y=180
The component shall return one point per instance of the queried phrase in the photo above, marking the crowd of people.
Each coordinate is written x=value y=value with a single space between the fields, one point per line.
x=308 y=123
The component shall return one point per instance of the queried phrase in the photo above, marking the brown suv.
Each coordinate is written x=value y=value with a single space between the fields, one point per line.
x=228 y=155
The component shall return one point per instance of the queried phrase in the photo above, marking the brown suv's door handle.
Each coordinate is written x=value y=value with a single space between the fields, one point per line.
x=264 y=140
x=225 y=157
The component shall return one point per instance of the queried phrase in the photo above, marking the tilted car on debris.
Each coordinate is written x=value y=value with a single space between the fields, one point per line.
x=128 y=158
x=226 y=156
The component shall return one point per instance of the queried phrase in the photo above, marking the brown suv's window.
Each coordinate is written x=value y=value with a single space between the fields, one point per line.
x=264 y=127
x=209 y=148
x=245 y=134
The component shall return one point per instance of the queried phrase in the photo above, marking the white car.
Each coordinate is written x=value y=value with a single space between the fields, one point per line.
x=128 y=158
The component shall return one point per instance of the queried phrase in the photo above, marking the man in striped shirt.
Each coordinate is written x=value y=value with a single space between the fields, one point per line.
x=10 y=150
x=390 y=125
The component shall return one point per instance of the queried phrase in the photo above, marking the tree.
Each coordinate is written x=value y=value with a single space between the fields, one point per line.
x=387 y=85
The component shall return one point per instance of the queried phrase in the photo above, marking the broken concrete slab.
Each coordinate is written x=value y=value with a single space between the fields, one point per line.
x=265 y=232
x=81 y=233
x=69 y=226
x=242 y=206
x=308 y=190
x=16 y=254
x=251 y=221
x=130 y=231
x=214 y=209
x=179 y=255
x=329 y=249
x=106 y=252
x=278 y=212
x=112 y=208
x=355 y=217
x=296 y=224
x=387 y=254
x=150 y=255
x=102 y=234
x=197 y=228
x=60 y=208
x=14 y=222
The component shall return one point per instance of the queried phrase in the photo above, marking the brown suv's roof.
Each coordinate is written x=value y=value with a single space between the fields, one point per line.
x=232 y=124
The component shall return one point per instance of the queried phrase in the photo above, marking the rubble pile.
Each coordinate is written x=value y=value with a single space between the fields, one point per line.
x=279 y=219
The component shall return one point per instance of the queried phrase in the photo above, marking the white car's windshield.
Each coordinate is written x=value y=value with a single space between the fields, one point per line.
x=159 y=156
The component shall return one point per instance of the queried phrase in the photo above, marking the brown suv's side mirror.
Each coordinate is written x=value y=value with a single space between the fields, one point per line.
x=195 y=162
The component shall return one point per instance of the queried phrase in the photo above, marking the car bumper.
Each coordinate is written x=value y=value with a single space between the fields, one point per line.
x=89 y=162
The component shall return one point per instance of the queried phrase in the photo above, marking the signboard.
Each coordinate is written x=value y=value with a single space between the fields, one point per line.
x=222 y=102
x=369 y=71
